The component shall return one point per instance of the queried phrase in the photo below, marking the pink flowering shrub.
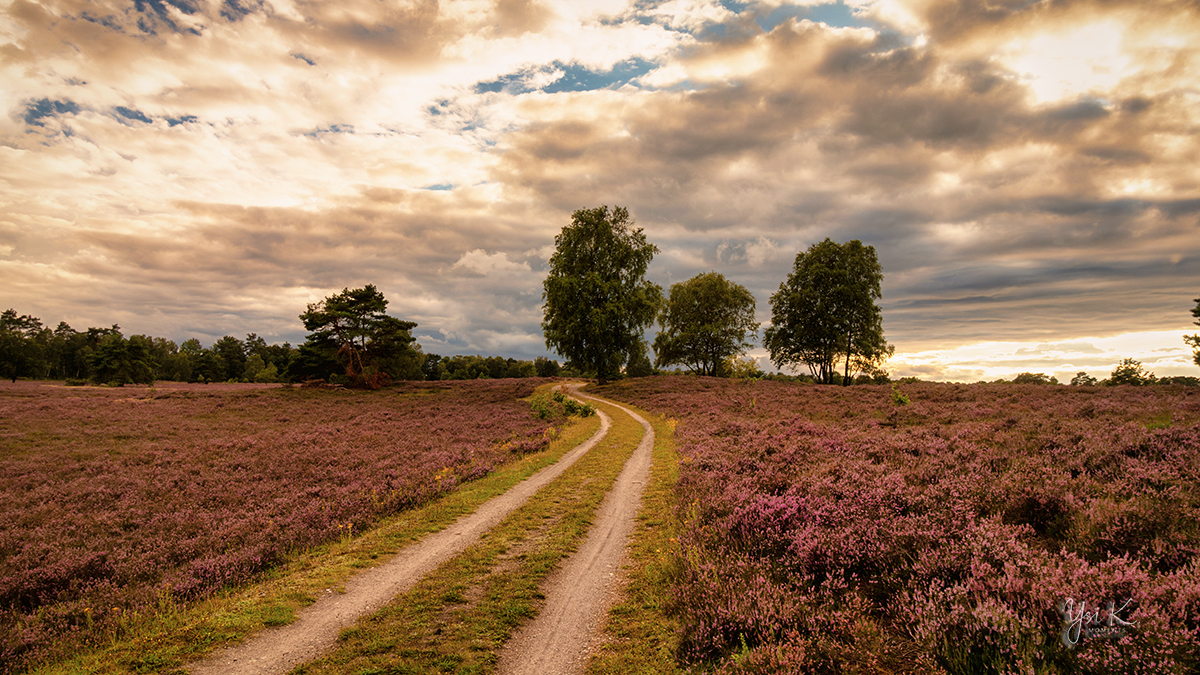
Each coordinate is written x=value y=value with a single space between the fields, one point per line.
x=827 y=530
x=111 y=497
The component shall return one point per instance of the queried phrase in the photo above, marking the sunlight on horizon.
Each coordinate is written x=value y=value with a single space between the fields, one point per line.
x=1162 y=352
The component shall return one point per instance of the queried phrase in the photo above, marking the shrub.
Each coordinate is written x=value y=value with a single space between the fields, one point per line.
x=1130 y=371
x=558 y=405
x=1034 y=378
x=1082 y=379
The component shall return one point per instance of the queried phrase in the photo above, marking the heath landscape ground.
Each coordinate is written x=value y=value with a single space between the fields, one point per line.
x=786 y=528
x=114 y=500
x=933 y=527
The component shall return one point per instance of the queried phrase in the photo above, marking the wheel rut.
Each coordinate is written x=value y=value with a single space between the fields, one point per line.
x=560 y=638
x=315 y=630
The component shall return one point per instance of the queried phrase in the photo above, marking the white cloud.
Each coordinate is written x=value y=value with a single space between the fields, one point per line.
x=1067 y=63
x=753 y=253
x=482 y=262
x=690 y=15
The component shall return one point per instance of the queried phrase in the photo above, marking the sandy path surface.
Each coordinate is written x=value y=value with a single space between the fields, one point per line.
x=278 y=650
x=578 y=595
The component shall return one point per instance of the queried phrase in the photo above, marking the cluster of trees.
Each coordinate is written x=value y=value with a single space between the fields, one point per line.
x=824 y=316
x=1131 y=372
x=598 y=305
x=355 y=342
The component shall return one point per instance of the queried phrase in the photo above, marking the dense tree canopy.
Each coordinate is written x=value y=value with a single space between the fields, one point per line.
x=485 y=367
x=705 y=321
x=597 y=300
x=825 y=312
x=119 y=361
x=23 y=343
x=351 y=331
x=105 y=356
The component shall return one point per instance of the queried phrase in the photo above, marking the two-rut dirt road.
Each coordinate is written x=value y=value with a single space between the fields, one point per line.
x=556 y=641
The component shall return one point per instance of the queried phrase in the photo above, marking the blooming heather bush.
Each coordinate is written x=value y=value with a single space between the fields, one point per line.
x=109 y=498
x=826 y=530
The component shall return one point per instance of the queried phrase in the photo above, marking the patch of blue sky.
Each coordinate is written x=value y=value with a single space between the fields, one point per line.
x=834 y=15
x=35 y=111
x=440 y=187
x=132 y=114
x=233 y=10
x=443 y=106
x=331 y=129
x=711 y=32
x=575 y=77
x=152 y=10
x=106 y=21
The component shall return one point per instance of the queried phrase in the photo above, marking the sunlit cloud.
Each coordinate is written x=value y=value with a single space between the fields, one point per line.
x=1026 y=171
x=484 y=263
x=1162 y=352
x=1077 y=60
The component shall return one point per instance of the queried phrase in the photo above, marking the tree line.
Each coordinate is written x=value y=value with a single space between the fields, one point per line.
x=352 y=341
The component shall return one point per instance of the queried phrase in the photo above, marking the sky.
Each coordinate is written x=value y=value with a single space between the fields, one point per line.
x=1026 y=170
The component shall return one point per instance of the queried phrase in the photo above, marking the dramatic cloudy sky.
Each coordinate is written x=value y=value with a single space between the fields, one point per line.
x=1027 y=171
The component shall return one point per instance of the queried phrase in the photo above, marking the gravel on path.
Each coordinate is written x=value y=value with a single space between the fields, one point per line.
x=560 y=638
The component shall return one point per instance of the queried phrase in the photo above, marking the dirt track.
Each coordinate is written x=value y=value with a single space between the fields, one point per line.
x=580 y=592
x=278 y=650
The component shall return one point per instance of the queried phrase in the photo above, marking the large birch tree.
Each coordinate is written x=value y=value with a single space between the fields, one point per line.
x=597 y=300
x=825 y=312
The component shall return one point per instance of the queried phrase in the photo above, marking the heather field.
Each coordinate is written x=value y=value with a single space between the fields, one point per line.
x=113 y=499
x=828 y=529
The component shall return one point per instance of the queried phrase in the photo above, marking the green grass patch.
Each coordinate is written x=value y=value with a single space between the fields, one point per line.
x=165 y=639
x=640 y=633
x=458 y=619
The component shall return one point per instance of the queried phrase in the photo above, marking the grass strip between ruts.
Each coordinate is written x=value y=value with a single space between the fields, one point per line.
x=163 y=640
x=640 y=634
x=458 y=618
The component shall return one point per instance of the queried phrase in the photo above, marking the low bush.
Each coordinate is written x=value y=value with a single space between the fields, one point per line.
x=558 y=405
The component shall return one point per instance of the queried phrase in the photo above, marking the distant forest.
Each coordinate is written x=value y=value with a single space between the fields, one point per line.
x=105 y=356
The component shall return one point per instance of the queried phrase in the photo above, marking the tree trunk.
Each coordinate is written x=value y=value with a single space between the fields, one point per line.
x=846 y=377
